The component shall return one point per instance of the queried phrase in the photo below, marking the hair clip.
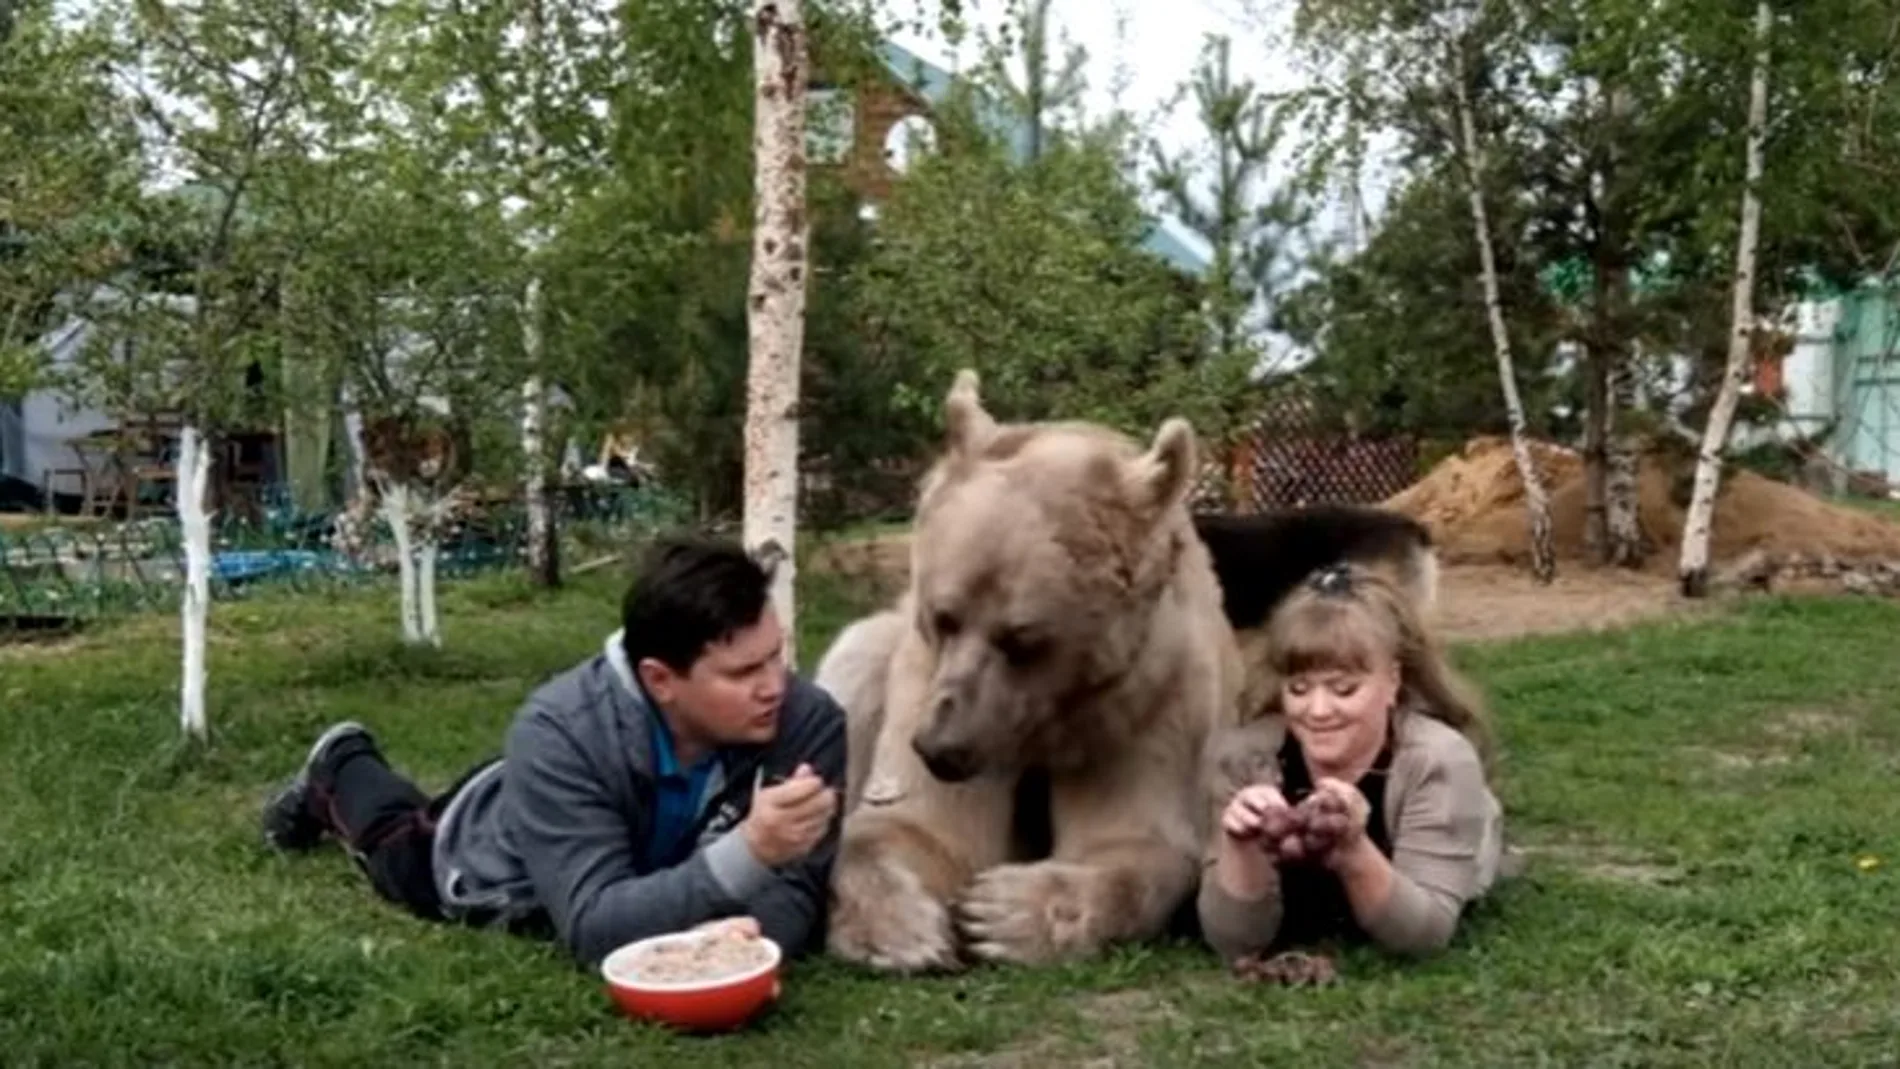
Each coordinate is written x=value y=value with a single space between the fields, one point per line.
x=1332 y=579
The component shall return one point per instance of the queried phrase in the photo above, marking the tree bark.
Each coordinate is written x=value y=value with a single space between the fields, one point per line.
x=1536 y=500
x=544 y=566
x=1596 y=437
x=193 y=471
x=776 y=303
x=1625 y=531
x=1622 y=538
x=1698 y=524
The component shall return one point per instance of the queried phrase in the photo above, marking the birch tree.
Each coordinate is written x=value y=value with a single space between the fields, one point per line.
x=1698 y=522
x=518 y=95
x=776 y=305
x=1536 y=497
x=1413 y=69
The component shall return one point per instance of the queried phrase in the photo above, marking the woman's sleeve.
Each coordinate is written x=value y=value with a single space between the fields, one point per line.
x=1235 y=757
x=1236 y=927
x=1442 y=850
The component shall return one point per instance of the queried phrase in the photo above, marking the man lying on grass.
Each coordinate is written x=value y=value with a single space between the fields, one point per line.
x=679 y=776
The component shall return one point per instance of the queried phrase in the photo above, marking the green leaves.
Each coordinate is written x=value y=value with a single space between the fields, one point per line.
x=1032 y=273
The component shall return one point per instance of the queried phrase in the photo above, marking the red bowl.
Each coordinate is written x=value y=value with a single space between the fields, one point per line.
x=717 y=1005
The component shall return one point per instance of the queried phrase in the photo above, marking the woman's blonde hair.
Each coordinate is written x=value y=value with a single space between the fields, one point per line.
x=1347 y=618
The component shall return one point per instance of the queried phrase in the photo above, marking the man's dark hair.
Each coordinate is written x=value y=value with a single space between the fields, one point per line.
x=691 y=592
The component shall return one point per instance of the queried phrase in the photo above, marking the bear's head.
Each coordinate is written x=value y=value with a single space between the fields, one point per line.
x=1041 y=554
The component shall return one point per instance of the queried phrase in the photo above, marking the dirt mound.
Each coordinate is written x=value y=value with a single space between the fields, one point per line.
x=1480 y=481
x=1474 y=506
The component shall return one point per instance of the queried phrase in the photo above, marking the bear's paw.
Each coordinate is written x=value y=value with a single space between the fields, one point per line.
x=1032 y=914
x=882 y=917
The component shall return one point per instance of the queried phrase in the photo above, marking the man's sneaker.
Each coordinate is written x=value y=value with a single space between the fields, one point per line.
x=289 y=822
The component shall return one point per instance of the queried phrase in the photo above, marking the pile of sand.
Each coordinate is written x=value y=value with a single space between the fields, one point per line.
x=1473 y=503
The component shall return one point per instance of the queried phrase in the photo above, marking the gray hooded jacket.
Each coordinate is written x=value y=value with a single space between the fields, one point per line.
x=554 y=827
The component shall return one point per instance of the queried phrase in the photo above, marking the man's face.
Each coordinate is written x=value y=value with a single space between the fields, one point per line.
x=730 y=695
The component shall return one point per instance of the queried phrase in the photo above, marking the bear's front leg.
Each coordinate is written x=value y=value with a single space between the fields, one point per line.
x=906 y=852
x=1127 y=849
x=890 y=893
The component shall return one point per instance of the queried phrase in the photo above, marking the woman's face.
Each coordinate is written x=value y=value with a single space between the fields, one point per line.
x=1340 y=716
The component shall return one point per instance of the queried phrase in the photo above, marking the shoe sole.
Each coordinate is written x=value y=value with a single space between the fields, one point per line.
x=332 y=735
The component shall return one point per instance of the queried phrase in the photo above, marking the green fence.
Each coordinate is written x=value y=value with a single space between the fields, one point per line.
x=61 y=572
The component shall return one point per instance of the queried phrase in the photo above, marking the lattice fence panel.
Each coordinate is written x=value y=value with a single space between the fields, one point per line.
x=1286 y=461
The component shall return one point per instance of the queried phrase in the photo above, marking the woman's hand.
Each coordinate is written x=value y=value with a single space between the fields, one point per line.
x=1333 y=821
x=1254 y=821
x=1259 y=813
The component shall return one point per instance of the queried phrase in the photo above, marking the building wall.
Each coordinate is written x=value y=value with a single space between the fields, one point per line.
x=1866 y=381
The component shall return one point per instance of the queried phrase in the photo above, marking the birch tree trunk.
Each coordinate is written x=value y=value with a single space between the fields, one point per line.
x=776 y=305
x=544 y=566
x=193 y=471
x=1625 y=542
x=544 y=563
x=1622 y=544
x=1596 y=439
x=1536 y=500
x=1698 y=524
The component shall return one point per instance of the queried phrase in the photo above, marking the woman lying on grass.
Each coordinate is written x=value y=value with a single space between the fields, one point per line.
x=1357 y=806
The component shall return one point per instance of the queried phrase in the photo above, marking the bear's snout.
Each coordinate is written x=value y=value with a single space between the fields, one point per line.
x=951 y=764
x=949 y=758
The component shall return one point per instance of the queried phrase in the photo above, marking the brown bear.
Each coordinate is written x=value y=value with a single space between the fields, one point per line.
x=1062 y=624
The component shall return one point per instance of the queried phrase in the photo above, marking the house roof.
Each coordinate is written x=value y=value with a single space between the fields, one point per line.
x=1167 y=237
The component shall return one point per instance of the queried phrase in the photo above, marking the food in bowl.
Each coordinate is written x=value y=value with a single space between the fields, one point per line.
x=711 y=979
x=707 y=958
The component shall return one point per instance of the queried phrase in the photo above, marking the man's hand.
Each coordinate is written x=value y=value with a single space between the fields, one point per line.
x=742 y=925
x=788 y=819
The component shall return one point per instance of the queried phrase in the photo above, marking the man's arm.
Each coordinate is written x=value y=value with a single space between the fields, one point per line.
x=579 y=851
x=790 y=906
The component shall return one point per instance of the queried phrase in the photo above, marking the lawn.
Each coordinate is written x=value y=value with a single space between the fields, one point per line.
x=1696 y=798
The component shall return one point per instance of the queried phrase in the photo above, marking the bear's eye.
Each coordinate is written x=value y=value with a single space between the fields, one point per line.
x=1019 y=647
x=944 y=624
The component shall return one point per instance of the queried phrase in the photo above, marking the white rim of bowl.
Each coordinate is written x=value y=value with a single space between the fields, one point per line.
x=629 y=949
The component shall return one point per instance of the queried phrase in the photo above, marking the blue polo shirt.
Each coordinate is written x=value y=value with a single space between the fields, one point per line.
x=678 y=795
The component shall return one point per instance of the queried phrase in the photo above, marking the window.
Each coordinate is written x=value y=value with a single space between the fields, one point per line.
x=830 y=121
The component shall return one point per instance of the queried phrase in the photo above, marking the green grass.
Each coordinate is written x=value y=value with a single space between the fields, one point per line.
x=1697 y=797
x=1885 y=507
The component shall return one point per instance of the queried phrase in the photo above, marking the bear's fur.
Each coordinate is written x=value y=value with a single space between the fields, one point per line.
x=1062 y=625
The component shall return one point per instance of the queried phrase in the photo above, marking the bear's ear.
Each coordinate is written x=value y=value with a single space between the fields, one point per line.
x=1162 y=477
x=966 y=424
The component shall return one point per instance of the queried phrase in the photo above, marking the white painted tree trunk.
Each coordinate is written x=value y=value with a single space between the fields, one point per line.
x=398 y=513
x=193 y=471
x=1536 y=499
x=1698 y=525
x=776 y=309
x=428 y=550
x=415 y=520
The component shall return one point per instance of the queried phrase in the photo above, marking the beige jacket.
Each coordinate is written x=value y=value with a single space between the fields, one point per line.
x=1445 y=824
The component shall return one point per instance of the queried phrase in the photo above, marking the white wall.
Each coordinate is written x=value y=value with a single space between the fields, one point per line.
x=49 y=420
